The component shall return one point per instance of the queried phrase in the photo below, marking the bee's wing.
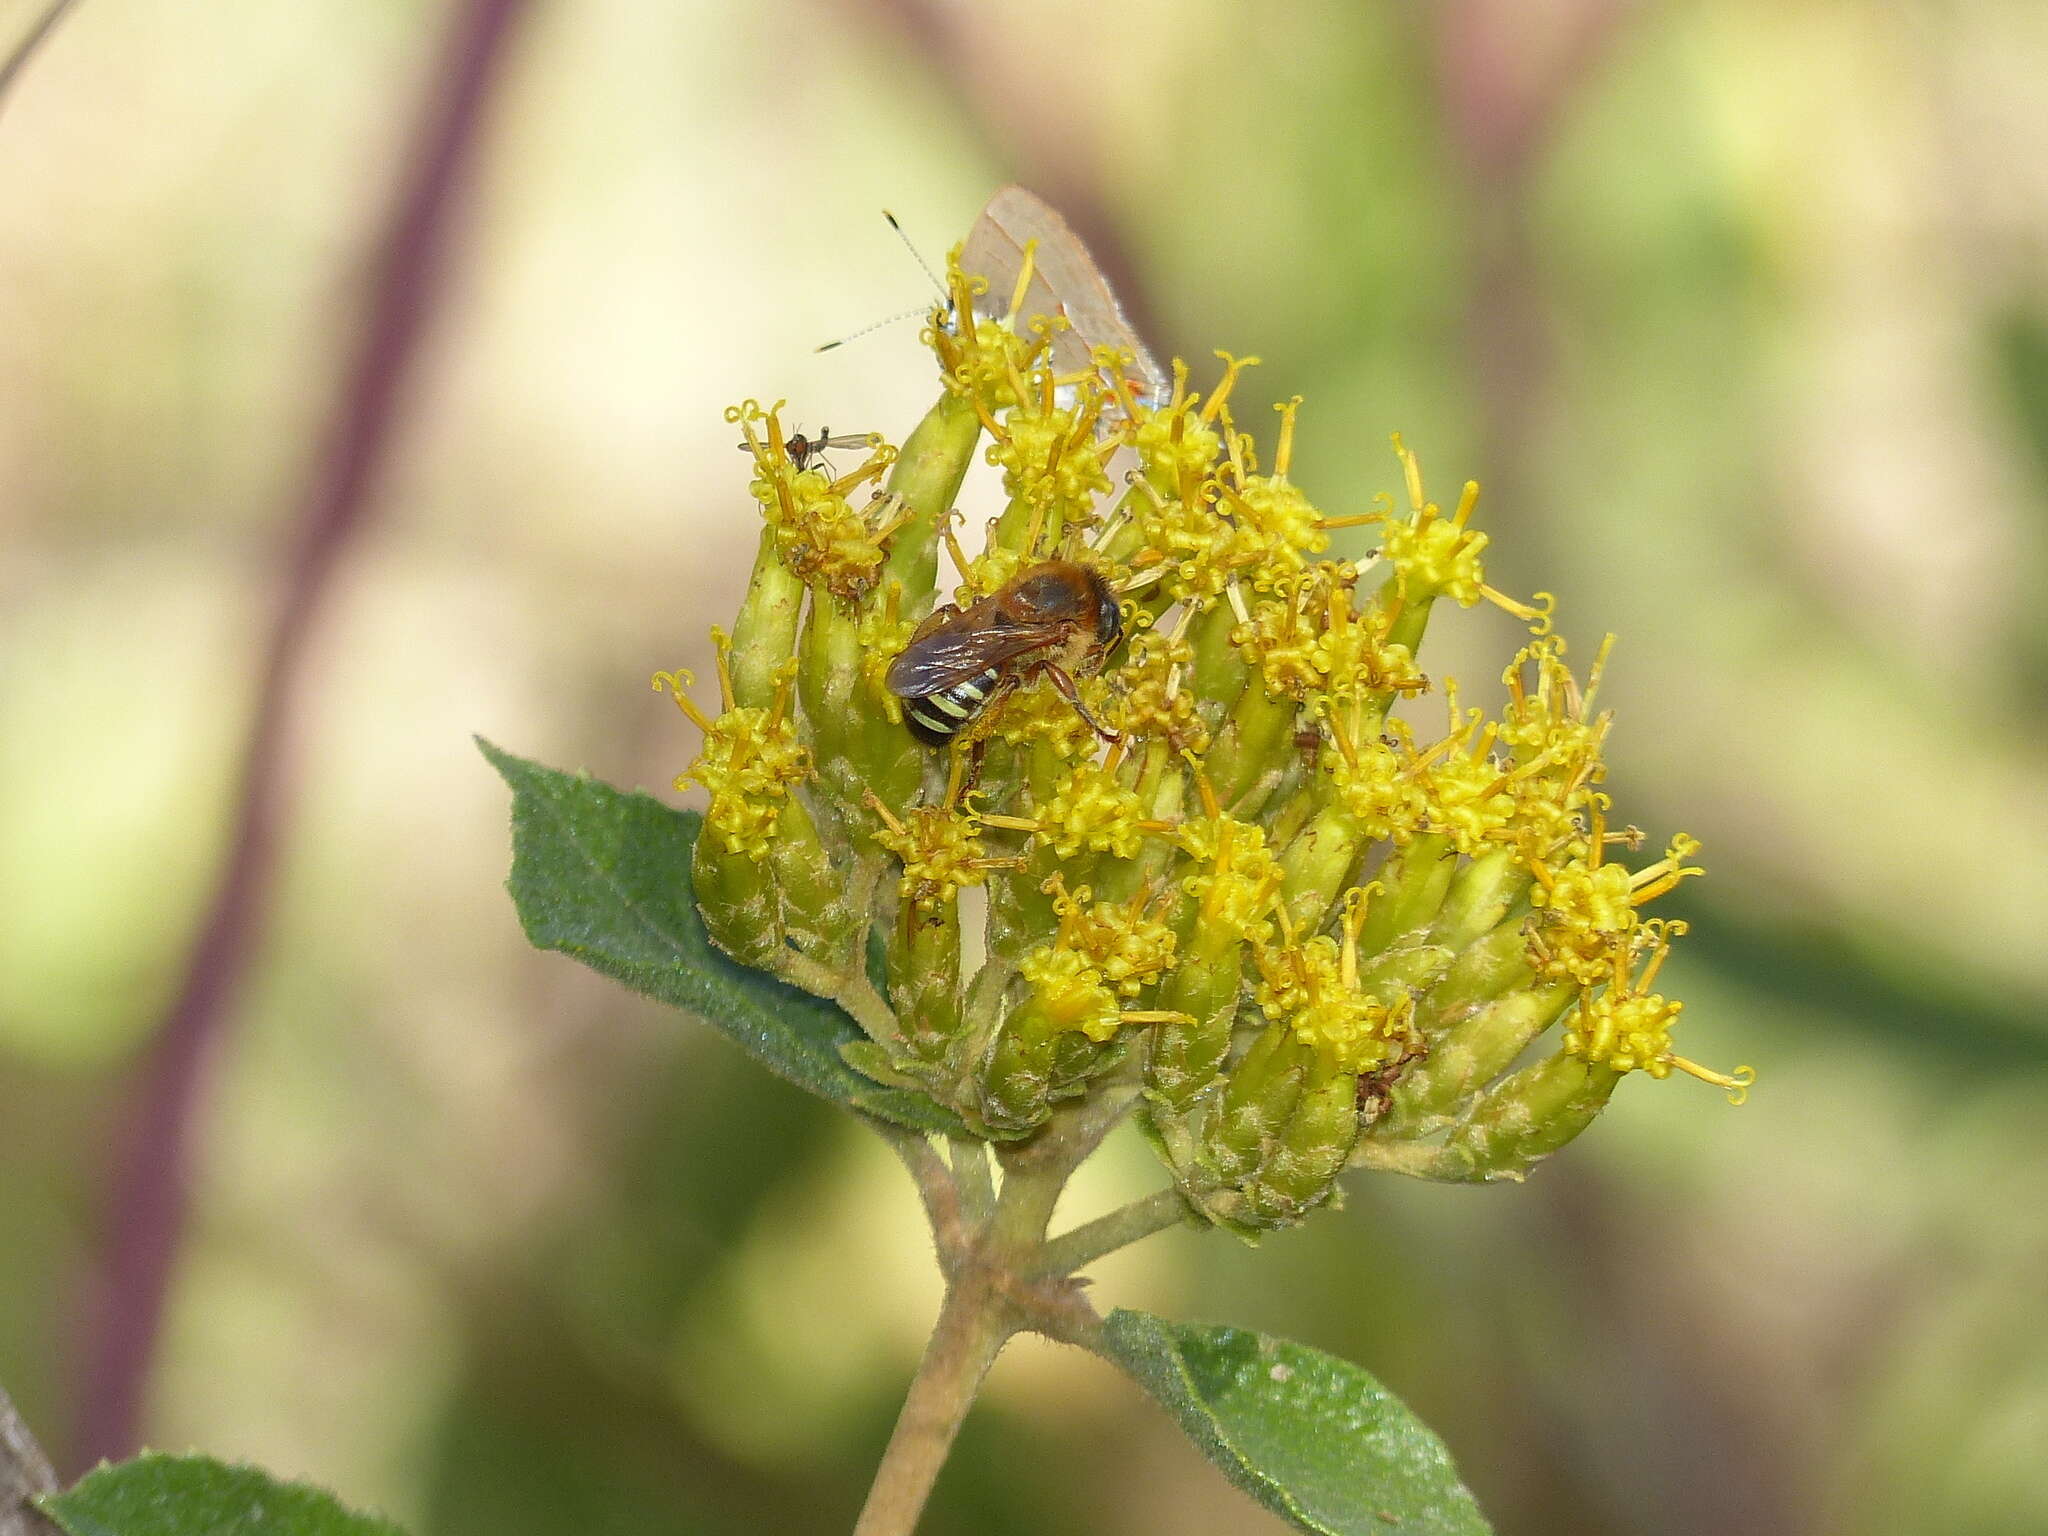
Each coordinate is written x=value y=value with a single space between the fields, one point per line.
x=948 y=656
x=1064 y=281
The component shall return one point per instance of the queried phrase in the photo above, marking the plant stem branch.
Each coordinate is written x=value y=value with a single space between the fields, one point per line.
x=935 y=1186
x=1036 y=1172
x=151 y=1171
x=1002 y=1277
x=870 y=1010
x=974 y=1178
x=972 y=1329
x=1084 y=1244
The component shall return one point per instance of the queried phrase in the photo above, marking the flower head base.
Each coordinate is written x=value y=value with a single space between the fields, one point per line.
x=939 y=850
x=1220 y=870
x=750 y=759
x=1313 y=989
x=1586 y=909
x=822 y=537
x=1130 y=948
x=1628 y=1027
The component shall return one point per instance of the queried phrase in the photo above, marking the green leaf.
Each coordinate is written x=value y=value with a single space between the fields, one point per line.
x=604 y=877
x=1313 y=1438
x=158 y=1495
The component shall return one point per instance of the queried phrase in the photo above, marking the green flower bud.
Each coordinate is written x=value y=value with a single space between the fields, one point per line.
x=1257 y=1102
x=929 y=469
x=1481 y=972
x=1218 y=674
x=1016 y=1081
x=1252 y=749
x=1415 y=881
x=923 y=959
x=1528 y=1117
x=736 y=896
x=764 y=635
x=824 y=913
x=859 y=748
x=1182 y=1059
x=1470 y=1054
x=1076 y=1059
x=1317 y=864
x=1481 y=895
x=1300 y=1172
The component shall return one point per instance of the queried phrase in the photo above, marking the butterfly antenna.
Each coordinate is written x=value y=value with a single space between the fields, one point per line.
x=922 y=309
x=918 y=256
x=924 y=266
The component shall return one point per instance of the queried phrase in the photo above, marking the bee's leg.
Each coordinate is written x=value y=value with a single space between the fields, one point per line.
x=1064 y=685
x=976 y=735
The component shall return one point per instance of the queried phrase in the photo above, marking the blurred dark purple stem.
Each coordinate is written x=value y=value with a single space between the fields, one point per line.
x=147 y=1201
x=31 y=40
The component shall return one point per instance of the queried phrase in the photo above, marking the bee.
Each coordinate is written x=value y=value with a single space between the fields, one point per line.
x=805 y=451
x=1056 y=620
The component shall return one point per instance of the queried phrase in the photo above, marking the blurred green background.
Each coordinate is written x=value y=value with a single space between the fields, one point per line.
x=1738 y=310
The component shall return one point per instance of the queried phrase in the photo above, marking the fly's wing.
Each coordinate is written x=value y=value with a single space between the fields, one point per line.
x=949 y=656
x=1064 y=281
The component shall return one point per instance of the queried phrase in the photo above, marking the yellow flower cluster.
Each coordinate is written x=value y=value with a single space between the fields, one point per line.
x=751 y=757
x=1184 y=909
x=1313 y=989
x=819 y=532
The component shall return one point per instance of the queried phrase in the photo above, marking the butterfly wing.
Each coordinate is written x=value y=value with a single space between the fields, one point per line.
x=1064 y=281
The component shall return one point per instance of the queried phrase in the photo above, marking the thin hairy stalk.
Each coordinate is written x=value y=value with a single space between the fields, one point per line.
x=975 y=1179
x=1036 y=1173
x=935 y=1186
x=146 y=1206
x=867 y=1007
x=972 y=1329
x=1083 y=1245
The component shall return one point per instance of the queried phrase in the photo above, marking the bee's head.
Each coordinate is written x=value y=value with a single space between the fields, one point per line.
x=1109 y=616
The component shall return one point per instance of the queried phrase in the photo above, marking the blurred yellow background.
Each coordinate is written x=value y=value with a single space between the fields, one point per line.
x=1739 y=312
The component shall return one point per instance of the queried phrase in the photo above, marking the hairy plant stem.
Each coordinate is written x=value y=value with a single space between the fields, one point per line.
x=971 y=1331
x=1003 y=1277
x=1085 y=1244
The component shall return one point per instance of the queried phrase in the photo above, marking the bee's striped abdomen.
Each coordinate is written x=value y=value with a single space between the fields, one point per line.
x=936 y=718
